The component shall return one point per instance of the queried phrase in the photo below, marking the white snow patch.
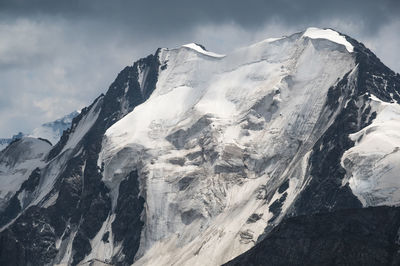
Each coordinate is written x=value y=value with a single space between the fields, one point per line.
x=51 y=200
x=316 y=33
x=200 y=50
x=143 y=71
x=268 y=40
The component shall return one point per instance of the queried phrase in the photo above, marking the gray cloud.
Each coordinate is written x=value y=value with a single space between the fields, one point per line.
x=57 y=56
x=181 y=14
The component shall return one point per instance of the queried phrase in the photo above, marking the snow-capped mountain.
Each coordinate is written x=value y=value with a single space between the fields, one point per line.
x=51 y=131
x=274 y=154
x=4 y=142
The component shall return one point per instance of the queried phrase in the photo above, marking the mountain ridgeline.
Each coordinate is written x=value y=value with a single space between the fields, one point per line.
x=282 y=153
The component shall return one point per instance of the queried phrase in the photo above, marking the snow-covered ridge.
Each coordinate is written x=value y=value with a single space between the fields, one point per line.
x=200 y=50
x=316 y=33
x=311 y=32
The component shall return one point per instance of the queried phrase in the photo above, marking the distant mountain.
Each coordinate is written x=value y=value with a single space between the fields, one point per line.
x=285 y=152
x=51 y=131
x=4 y=142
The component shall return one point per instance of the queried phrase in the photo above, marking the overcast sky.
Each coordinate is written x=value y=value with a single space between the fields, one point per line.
x=57 y=56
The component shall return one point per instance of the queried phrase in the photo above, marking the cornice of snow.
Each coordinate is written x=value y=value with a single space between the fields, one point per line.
x=200 y=50
x=329 y=34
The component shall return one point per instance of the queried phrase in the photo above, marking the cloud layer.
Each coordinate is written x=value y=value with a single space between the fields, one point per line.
x=57 y=56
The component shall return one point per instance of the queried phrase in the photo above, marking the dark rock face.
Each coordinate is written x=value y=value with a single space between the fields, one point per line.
x=374 y=76
x=348 y=237
x=276 y=207
x=14 y=205
x=282 y=188
x=83 y=202
x=32 y=237
x=254 y=218
x=127 y=225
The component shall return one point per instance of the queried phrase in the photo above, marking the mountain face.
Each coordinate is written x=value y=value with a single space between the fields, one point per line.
x=281 y=153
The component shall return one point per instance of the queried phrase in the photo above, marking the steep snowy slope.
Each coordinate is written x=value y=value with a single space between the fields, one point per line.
x=193 y=158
